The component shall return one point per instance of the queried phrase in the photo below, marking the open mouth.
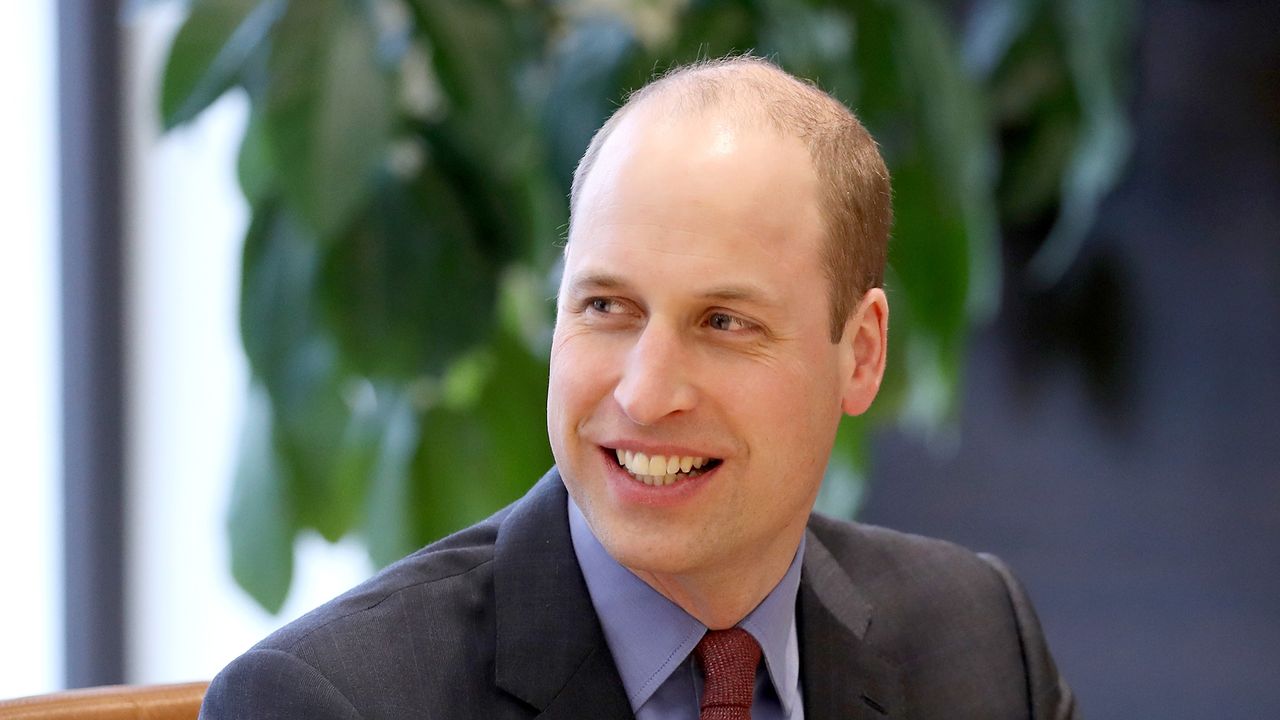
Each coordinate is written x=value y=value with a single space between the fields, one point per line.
x=662 y=469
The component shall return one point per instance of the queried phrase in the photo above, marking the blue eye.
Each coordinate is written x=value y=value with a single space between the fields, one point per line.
x=727 y=322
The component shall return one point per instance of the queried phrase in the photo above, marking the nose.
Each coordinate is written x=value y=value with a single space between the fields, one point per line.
x=656 y=379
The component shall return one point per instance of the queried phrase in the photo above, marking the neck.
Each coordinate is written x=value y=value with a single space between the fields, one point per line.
x=722 y=596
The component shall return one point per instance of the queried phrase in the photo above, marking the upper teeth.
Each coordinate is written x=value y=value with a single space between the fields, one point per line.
x=658 y=465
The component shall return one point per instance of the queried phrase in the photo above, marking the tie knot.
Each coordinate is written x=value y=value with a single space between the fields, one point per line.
x=729 y=659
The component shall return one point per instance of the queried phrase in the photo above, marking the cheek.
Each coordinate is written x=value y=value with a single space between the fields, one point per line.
x=795 y=408
x=580 y=375
x=562 y=396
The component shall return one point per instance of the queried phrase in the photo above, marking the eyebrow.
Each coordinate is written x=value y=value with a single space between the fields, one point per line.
x=596 y=281
x=744 y=292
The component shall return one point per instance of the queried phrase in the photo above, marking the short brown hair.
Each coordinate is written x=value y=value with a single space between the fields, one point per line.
x=856 y=198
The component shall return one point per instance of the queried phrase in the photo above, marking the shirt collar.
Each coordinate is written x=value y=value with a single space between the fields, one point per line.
x=649 y=636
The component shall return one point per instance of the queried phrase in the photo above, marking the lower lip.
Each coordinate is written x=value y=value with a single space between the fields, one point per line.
x=629 y=490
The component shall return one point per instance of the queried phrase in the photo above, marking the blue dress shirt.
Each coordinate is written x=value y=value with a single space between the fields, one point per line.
x=652 y=639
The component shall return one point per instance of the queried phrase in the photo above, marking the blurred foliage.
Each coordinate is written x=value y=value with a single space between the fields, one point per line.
x=407 y=163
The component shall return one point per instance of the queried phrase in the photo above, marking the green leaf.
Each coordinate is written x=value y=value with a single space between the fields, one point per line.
x=513 y=407
x=706 y=29
x=499 y=446
x=991 y=29
x=1038 y=113
x=409 y=290
x=1098 y=37
x=312 y=421
x=929 y=117
x=300 y=368
x=208 y=52
x=880 y=98
x=929 y=251
x=388 y=523
x=1035 y=164
x=481 y=51
x=260 y=520
x=586 y=64
x=487 y=141
x=957 y=143
x=516 y=208
x=812 y=42
x=329 y=111
x=478 y=52
x=845 y=484
x=277 y=278
x=255 y=168
x=930 y=261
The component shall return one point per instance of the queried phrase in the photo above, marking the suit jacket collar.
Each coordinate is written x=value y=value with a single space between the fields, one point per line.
x=551 y=652
x=841 y=674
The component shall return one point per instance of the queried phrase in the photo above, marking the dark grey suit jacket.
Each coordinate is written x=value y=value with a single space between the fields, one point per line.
x=495 y=622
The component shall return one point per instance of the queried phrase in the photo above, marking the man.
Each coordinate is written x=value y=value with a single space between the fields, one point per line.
x=720 y=310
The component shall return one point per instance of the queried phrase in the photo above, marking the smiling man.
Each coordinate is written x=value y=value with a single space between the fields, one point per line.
x=721 y=309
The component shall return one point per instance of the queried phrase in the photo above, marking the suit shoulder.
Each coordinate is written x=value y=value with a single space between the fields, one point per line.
x=443 y=577
x=419 y=634
x=272 y=685
x=957 y=623
x=904 y=565
x=845 y=538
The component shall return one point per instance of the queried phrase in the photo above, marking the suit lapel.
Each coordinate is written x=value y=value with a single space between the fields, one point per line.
x=842 y=675
x=551 y=652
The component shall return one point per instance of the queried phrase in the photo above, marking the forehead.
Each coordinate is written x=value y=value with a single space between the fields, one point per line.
x=701 y=189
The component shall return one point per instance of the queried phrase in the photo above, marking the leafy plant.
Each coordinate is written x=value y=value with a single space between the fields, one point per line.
x=407 y=164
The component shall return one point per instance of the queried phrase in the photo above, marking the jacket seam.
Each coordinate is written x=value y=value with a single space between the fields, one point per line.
x=292 y=646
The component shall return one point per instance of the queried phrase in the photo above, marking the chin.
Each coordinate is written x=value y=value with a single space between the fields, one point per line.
x=640 y=539
x=642 y=554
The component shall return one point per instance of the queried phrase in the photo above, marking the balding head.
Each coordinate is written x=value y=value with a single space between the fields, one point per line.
x=750 y=91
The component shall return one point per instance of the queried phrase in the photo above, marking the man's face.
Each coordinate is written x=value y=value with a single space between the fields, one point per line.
x=693 y=323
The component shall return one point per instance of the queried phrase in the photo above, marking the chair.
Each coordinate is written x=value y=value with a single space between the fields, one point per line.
x=114 y=702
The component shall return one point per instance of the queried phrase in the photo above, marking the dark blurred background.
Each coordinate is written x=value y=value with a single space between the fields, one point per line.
x=1120 y=435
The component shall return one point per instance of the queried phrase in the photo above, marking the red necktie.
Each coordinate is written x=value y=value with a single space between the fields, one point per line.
x=729 y=659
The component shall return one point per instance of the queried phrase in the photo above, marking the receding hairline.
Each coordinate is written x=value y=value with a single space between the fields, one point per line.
x=748 y=90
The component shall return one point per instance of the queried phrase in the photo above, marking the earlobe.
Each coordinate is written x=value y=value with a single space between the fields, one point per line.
x=866 y=336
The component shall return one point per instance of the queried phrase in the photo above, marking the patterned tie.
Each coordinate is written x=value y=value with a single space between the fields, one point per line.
x=729 y=659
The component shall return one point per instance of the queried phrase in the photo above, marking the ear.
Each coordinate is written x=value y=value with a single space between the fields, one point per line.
x=865 y=341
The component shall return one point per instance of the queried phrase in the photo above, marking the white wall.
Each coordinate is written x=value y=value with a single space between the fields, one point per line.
x=30 y=497
x=188 y=375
